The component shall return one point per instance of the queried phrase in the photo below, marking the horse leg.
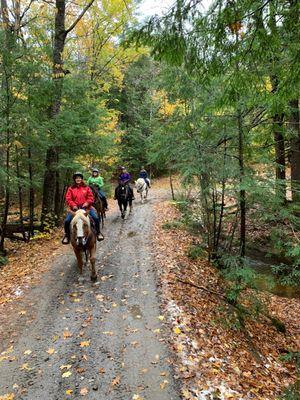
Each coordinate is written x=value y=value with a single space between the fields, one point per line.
x=92 y=252
x=121 y=208
x=79 y=260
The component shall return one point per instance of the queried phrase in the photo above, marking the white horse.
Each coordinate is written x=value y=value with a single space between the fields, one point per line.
x=142 y=188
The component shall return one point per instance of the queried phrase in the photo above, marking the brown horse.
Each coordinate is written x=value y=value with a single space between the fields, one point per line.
x=98 y=204
x=83 y=240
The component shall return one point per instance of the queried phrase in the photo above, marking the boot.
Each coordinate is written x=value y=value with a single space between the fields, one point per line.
x=66 y=239
x=67 y=236
x=99 y=235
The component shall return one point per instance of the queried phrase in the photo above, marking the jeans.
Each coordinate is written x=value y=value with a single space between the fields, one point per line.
x=69 y=218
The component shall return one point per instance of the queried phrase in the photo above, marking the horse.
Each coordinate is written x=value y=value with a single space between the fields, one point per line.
x=83 y=240
x=123 y=197
x=142 y=188
x=98 y=204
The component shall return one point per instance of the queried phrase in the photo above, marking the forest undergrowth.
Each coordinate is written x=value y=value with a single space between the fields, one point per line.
x=217 y=357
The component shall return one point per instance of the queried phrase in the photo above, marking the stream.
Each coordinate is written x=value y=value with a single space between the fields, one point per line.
x=266 y=279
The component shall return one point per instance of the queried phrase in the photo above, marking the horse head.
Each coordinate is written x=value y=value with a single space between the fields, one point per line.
x=81 y=228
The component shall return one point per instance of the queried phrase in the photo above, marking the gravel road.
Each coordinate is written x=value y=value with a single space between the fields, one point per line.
x=94 y=341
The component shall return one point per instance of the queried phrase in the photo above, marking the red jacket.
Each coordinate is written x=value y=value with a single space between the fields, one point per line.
x=78 y=195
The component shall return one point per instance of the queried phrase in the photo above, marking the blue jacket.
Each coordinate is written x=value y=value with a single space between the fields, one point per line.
x=143 y=174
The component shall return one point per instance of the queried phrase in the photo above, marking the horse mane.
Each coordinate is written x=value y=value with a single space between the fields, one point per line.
x=80 y=214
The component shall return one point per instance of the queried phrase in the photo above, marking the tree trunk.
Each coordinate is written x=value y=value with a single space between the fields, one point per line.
x=31 y=193
x=52 y=155
x=6 y=87
x=58 y=193
x=171 y=186
x=279 y=156
x=20 y=193
x=242 y=199
x=295 y=150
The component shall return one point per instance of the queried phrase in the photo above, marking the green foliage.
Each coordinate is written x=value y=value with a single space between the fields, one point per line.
x=195 y=251
x=293 y=391
x=3 y=260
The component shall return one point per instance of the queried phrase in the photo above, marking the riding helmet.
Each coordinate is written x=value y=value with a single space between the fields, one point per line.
x=95 y=170
x=76 y=174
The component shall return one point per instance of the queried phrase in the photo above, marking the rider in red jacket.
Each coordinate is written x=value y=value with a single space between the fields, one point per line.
x=80 y=196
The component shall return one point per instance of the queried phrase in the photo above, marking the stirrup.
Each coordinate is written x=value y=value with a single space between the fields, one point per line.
x=65 y=240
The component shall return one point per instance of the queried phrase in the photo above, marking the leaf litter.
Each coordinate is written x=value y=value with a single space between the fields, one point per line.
x=214 y=360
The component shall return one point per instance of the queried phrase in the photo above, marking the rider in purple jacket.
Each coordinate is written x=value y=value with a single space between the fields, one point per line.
x=125 y=178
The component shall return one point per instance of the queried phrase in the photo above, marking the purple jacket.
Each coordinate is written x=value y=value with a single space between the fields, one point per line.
x=125 y=177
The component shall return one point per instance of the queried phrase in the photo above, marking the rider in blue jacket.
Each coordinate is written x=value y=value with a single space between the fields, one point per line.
x=144 y=175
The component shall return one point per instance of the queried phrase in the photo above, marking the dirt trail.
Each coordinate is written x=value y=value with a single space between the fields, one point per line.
x=106 y=338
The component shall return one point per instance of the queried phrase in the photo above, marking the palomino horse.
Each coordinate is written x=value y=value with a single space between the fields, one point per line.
x=83 y=240
x=123 y=197
x=98 y=204
x=142 y=188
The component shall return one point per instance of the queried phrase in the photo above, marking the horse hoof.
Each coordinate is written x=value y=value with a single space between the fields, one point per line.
x=94 y=278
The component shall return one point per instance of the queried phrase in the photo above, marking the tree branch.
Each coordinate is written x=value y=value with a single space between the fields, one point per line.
x=79 y=17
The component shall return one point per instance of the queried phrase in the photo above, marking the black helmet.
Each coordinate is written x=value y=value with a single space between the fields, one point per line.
x=95 y=170
x=76 y=174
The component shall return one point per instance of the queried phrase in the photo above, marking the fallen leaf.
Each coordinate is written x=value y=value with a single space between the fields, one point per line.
x=116 y=381
x=164 y=384
x=27 y=352
x=85 y=343
x=65 y=366
x=84 y=391
x=69 y=391
x=137 y=397
x=101 y=371
x=8 y=396
x=161 y=317
x=25 y=367
x=66 y=374
x=67 y=334
x=50 y=351
x=176 y=330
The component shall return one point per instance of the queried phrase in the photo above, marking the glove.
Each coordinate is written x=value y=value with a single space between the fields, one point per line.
x=75 y=208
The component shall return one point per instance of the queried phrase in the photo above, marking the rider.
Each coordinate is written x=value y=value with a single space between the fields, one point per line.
x=144 y=175
x=97 y=180
x=125 y=178
x=79 y=195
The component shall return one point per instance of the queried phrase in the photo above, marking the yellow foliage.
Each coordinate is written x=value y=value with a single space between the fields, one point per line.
x=166 y=108
x=268 y=84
